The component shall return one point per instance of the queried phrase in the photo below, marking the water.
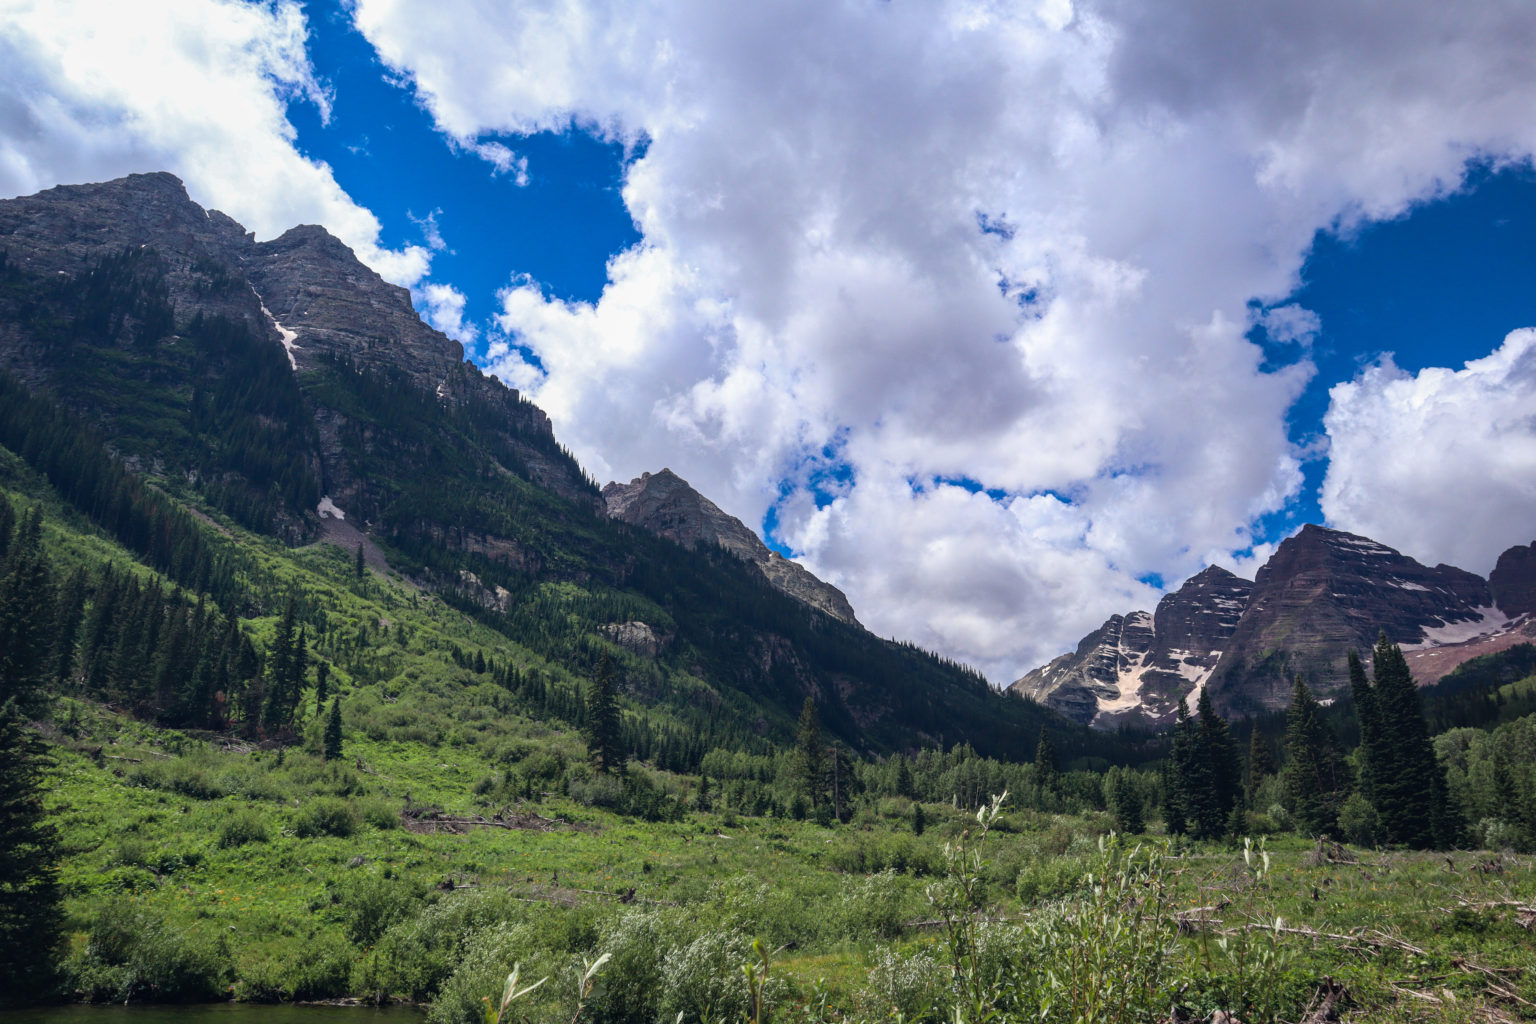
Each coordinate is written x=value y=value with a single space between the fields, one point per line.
x=213 y=1013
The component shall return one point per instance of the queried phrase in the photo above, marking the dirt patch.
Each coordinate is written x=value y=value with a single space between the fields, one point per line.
x=430 y=821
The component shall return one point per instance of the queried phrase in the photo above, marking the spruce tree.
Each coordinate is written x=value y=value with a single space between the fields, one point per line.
x=1403 y=774
x=1313 y=772
x=810 y=765
x=1216 y=781
x=603 y=718
x=1046 y=774
x=333 y=732
x=26 y=617
x=359 y=566
x=1370 y=728
x=1183 y=772
x=1261 y=763
x=31 y=919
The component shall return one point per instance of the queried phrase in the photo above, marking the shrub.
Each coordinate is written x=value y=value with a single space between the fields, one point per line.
x=134 y=954
x=1359 y=821
x=704 y=981
x=244 y=826
x=910 y=987
x=371 y=904
x=325 y=816
x=379 y=813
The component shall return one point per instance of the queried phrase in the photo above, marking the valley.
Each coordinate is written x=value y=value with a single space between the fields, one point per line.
x=331 y=676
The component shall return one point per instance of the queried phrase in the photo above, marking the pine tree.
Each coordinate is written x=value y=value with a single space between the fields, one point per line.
x=1180 y=772
x=359 y=566
x=1261 y=763
x=1403 y=773
x=1046 y=774
x=322 y=678
x=333 y=732
x=26 y=617
x=1123 y=800
x=31 y=920
x=810 y=764
x=280 y=676
x=1214 y=782
x=603 y=718
x=1313 y=772
x=1370 y=728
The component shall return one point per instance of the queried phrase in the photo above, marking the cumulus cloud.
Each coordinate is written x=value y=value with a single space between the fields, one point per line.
x=95 y=89
x=442 y=306
x=1441 y=464
x=895 y=253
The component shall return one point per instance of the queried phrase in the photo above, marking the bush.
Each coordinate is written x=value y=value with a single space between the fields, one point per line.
x=1359 y=821
x=133 y=954
x=242 y=827
x=371 y=904
x=416 y=955
x=379 y=813
x=325 y=816
x=704 y=981
x=910 y=987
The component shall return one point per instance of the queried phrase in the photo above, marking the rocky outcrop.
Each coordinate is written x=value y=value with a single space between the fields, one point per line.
x=1513 y=581
x=314 y=287
x=1134 y=669
x=664 y=504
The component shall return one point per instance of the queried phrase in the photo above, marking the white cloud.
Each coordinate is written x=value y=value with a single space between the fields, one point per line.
x=442 y=306
x=503 y=161
x=813 y=275
x=95 y=89
x=1442 y=464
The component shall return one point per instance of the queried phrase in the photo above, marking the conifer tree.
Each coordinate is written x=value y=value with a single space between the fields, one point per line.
x=359 y=565
x=603 y=718
x=26 y=617
x=1214 y=785
x=1180 y=773
x=1313 y=772
x=1046 y=774
x=1403 y=773
x=69 y=614
x=31 y=921
x=333 y=732
x=1370 y=729
x=1261 y=763
x=810 y=765
x=322 y=678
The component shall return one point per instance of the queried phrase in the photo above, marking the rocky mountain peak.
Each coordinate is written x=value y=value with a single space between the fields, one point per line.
x=664 y=504
x=1135 y=668
x=1513 y=581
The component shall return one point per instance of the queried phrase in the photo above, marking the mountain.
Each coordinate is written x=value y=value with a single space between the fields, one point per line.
x=1322 y=594
x=1134 y=668
x=244 y=392
x=664 y=504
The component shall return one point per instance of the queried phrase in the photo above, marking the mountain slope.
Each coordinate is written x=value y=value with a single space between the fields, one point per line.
x=268 y=381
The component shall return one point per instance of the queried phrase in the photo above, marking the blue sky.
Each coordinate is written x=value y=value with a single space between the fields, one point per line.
x=559 y=228
x=776 y=267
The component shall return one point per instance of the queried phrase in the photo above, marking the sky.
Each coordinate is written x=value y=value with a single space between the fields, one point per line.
x=1002 y=317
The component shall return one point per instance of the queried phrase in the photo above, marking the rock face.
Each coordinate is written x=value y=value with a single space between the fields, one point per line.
x=313 y=286
x=1322 y=594
x=304 y=290
x=1513 y=580
x=664 y=504
x=1135 y=668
